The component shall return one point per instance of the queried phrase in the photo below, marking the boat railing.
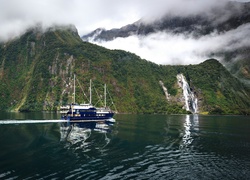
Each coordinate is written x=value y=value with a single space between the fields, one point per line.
x=64 y=109
x=104 y=109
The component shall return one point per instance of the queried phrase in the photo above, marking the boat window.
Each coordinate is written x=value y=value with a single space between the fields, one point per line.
x=87 y=110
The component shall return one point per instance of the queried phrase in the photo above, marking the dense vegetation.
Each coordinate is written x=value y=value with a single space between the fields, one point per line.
x=36 y=72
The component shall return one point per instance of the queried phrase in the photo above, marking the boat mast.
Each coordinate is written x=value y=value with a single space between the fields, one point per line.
x=105 y=96
x=90 y=94
x=74 y=100
x=74 y=97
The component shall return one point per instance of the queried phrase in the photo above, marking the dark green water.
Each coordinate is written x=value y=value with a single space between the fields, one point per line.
x=136 y=147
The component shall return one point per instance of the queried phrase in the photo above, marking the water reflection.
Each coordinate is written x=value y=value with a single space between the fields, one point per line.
x=139 y=147
x=191 y=124
x=78 y=135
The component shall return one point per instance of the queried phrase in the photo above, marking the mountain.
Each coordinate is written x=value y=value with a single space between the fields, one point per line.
x=232 y=18
x=36 y=72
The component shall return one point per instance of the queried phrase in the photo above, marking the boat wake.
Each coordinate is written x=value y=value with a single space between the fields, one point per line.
x=31 y=121
x=9 y=121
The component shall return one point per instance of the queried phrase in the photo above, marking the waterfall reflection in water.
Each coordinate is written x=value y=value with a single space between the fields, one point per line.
x=190 y=125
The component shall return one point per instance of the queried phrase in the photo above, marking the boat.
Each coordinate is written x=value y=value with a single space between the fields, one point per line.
x=87 y=112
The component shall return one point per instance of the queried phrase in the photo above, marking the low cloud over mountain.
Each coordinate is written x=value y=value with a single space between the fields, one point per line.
x=185 y=34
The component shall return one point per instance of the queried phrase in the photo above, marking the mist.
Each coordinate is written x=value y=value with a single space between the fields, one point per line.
x=175 y=49
x=18 y=15
x=162 y=47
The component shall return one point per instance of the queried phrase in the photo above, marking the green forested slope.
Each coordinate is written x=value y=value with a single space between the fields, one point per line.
x=36 y=72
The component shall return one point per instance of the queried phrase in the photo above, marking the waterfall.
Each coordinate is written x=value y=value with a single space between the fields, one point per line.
x=191 y=102
x=165 y=90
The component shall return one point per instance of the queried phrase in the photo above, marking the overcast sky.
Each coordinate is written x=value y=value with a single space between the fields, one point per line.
x=17 y=15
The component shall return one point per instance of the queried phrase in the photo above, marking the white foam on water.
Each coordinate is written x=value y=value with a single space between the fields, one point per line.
x=31 y=121
x=9 y=121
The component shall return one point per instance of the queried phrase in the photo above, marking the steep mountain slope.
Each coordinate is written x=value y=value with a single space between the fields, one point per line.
x=233 y=18
x=36 y=73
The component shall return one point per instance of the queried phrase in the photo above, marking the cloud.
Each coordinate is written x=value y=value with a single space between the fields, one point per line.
x=182 y=8
x=162 y=47
x=169 y=48
x=18 y=15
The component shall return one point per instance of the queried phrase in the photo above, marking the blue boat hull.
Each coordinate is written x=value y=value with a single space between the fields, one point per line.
x=94 y=117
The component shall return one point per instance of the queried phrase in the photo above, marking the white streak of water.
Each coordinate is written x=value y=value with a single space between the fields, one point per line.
x=31 y=121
